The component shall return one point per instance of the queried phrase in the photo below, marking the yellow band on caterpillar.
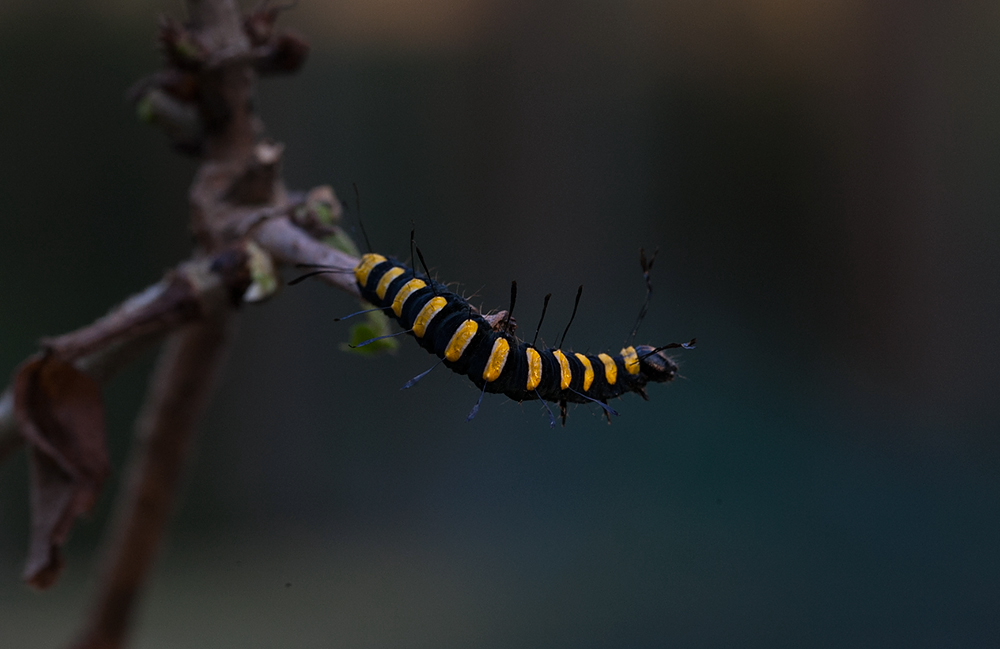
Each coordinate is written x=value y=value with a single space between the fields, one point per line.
x=610 y=368
x=405 y=292
x=368 y=262
x=498 y=358
x=383 y=284
x=460 y=340
x=566 y=376
x=631 y=360
x=431 y=309
x=534 y=368
x=588 y=371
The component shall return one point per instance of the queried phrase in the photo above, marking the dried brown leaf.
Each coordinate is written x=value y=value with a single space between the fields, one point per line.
x=60 y=413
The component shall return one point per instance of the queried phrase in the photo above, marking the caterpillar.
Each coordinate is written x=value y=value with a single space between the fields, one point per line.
x=484 y=347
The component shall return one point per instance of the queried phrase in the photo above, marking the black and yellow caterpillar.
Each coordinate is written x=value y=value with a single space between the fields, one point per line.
x=486 y=350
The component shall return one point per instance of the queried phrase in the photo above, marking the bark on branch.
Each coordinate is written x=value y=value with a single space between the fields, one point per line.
x=179 y=393
x=243 y=220
x=113 y=342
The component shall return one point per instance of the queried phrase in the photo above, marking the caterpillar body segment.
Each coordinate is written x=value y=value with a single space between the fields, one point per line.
x=487 y=351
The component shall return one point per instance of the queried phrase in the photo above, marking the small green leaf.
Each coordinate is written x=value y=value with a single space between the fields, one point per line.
x=375 y=324
x=264 y=279
x=324 y=205
x=323 y=213
x=188 y=50
x=342 y=242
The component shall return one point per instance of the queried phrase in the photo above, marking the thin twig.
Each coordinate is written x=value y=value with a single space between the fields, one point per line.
x=109 y=344
x=179 y=393
x=291 y=245
x=10 y=439
x=237 y=173
x=238 y=195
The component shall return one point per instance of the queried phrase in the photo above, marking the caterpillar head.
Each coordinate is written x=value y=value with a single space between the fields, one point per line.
x=655 y=365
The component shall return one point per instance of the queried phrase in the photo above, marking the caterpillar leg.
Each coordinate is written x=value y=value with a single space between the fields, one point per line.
x=377 y=338
x=325 y=270
x=608 y=410
x=475 y=408
x=413 y=381
x=351 y=315
x=552 y=418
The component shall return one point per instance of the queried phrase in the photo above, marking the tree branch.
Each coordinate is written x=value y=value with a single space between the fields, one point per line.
x=243 y=219
x=238 y=176
x=179 y=393
x=10 y=438
x=289 y=244
x=112 y=342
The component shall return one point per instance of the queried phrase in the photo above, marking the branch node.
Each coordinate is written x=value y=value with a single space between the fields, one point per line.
x=180 y=46
x=257 y=184
x=180 y=120
x=284 y=54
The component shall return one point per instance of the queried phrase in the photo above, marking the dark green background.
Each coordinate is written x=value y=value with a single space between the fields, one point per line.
x=826 y=207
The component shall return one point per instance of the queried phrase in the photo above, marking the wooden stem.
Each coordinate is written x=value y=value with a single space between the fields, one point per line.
x=179 y=393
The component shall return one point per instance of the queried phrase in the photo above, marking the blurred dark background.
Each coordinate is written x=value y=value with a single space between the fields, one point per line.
x=821 y=180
